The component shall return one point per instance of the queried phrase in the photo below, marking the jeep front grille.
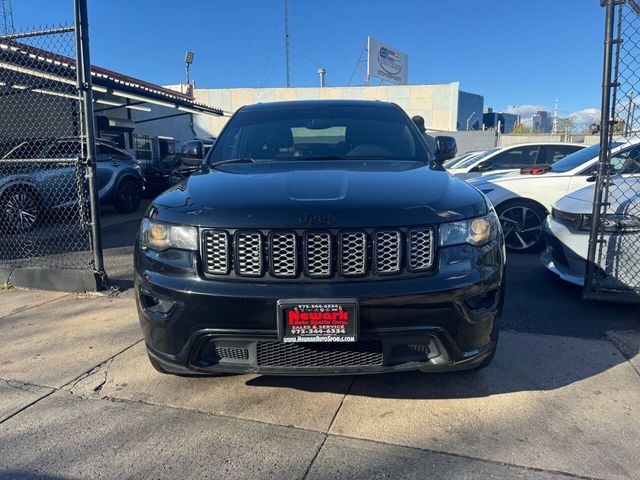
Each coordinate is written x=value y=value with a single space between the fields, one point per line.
x=318 y=254
x=249 y=254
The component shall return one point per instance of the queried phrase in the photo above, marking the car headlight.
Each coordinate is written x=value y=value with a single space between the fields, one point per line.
x=611 y=222
x=475 y=231
x=160 y=236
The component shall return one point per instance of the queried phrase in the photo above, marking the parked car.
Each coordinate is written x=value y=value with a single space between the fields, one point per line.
x=513 y=158
x=566 y=232
x=193 y=154
x=29 y=189
x=320 y=238
x=460 y=158
x=523 y=199
x=158 y=175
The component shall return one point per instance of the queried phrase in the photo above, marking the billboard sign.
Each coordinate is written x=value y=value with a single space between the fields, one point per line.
x=387 y=63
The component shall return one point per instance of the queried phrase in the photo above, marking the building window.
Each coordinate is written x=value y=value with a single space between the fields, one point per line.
x=143 y=146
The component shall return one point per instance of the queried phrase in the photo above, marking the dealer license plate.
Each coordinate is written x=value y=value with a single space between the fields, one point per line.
x=318 y=321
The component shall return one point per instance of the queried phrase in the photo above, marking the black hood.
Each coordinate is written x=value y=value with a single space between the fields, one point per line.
x=319 y=194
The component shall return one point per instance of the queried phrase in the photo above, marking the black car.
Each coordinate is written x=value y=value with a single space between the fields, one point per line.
x=320 y=237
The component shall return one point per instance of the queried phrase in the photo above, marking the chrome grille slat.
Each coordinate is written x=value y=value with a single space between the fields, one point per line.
x=387 y=252
x=284 y=254
x=249 y=254
x=420 y=249
x=217 y=252
x=315 y=254
x=353 y=253
x=318 y=254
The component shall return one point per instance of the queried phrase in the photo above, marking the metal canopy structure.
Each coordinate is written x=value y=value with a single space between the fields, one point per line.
x=56 y=76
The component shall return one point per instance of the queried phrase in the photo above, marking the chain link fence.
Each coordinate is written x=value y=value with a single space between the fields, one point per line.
x=614 y=246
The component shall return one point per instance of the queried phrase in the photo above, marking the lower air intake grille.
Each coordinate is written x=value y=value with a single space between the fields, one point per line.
x=233 y=353
x=276 y=354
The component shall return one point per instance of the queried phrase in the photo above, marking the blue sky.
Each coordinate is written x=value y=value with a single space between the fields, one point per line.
x=514 y=52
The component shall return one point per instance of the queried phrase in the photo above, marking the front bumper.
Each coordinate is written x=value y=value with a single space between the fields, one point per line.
x=560 y=256
x=442 y=322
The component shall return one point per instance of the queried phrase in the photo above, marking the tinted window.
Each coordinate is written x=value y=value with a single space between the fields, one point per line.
x=472 y=160
x=626 y=161
x=558 y=152
x=320 y=131
x=106 y=152
x=64 y=150
x=578 y=158
x=517 y=157
x=31 y=149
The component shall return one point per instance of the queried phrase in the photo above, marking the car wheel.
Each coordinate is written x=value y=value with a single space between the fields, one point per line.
x=21 y=209
x=522 y=226
x=128 y=196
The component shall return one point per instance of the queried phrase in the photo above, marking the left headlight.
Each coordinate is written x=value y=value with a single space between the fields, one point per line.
x=475 y=231
x=160 y=236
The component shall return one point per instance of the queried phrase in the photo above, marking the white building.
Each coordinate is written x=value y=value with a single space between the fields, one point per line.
x=444 y=106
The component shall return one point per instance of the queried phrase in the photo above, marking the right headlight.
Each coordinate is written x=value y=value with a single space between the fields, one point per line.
x=611 y=222
x=160 y=236
x=475 y=231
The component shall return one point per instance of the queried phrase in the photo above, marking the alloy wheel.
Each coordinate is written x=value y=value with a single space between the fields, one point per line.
x=21 y=210
x=522 y=227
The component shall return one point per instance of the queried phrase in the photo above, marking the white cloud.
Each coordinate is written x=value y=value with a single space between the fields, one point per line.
x=585 y=117
x=525 y=111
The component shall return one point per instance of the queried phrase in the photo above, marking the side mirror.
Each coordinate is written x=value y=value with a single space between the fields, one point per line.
x=446 y=148
x=192 y=154
x=593 y=176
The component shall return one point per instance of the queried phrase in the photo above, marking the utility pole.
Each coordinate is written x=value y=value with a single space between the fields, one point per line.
x=286 y=40
x=6 y=17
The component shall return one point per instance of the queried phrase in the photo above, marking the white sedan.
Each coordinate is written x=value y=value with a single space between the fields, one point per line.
x=523 y=199
x=566 y=233
x=512 y=158
x=450 y=164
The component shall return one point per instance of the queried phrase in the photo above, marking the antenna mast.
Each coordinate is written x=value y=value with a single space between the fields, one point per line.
x=286 y=39
x=6 y=17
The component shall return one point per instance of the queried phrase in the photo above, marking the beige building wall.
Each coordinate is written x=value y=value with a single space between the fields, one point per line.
x=438 y=104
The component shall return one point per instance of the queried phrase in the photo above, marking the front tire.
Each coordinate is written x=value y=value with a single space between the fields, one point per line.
x=128 y=196
x=21 y=210
x=522 y=225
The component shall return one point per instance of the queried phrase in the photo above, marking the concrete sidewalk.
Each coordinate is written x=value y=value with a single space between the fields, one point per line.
x=78 y=399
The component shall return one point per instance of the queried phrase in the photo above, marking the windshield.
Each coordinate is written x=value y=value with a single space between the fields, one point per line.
x=29 y=149
x=578 y=158
x=471 y=161
x=454 y=161
x=316 y=132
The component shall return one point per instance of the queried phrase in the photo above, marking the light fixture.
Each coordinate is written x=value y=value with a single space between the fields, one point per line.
x=138 y=107
x=55 y=94
x=189 y=110
x=100 y=89
x=36 y=73
x=188 y=60
x=19 y=87
x=133 y=96
x=109 y=102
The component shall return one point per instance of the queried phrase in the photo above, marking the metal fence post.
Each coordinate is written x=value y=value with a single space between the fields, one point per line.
x=605 y=124
x=83 y=68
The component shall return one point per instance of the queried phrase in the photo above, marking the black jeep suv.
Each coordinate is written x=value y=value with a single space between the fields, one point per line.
x=320 y=237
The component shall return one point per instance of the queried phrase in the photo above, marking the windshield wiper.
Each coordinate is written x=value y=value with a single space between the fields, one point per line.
x=233 y=160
